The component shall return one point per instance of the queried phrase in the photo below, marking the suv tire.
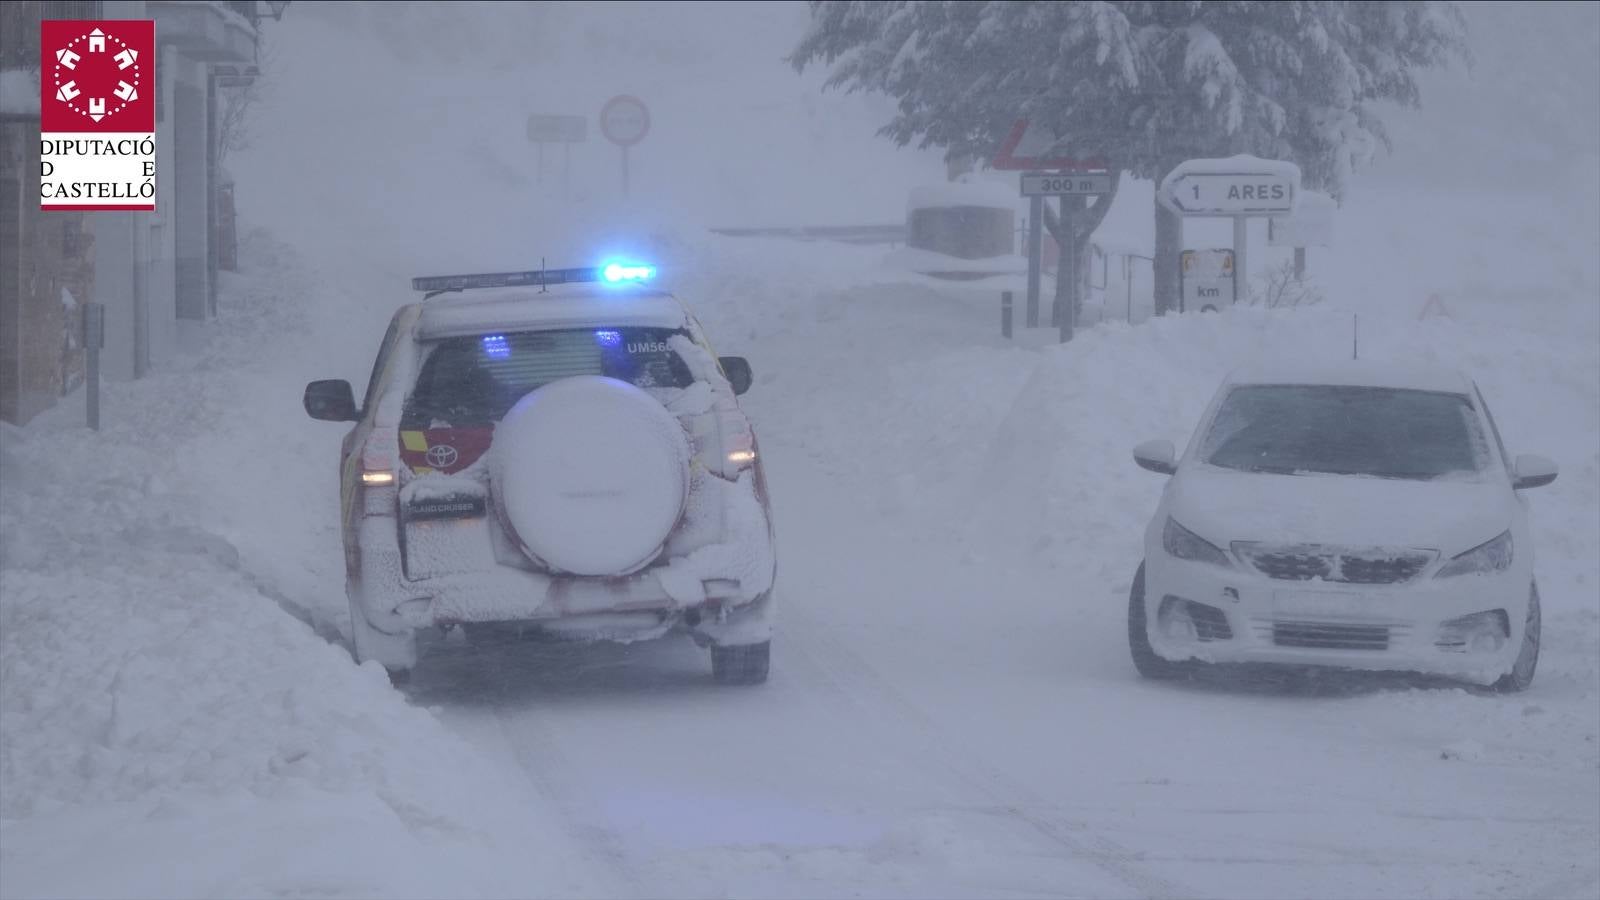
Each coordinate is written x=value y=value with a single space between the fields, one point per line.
x=1149 y=663
x=741 y=663
x=367 y=642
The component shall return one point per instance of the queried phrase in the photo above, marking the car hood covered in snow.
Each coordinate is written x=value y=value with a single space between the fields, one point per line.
x=1446 y=515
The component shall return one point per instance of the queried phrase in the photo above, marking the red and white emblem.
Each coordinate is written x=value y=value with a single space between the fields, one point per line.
x=98 y=76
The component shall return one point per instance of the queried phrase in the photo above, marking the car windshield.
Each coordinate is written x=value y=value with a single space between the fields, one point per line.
x=1378 y=432
x=478 y=378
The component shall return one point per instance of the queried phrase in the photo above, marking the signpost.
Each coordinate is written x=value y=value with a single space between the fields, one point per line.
x=563 y=130
x=1030 y=148
x=624 y=120
x=94 y=340
x=1311 y=225
x=1237 y=188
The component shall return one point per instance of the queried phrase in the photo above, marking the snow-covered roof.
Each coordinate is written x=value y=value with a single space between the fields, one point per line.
x=1355 y=373
x=562 y=306
x=1242 y=162
x=19 y=92
x=958 y=193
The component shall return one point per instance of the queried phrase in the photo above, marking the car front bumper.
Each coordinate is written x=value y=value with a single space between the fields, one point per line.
x=1239 y=616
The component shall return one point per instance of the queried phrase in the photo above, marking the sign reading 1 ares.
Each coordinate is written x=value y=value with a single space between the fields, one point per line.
x=1240 y=186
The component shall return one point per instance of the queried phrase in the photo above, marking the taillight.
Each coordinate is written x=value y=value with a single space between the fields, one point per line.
x=379 y=496
x=738 y=445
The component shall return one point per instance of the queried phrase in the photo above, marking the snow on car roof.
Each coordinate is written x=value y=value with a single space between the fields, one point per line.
x=1355 y=373
x=561 y=306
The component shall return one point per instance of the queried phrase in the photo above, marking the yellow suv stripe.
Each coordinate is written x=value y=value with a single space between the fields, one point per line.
x=413 y=440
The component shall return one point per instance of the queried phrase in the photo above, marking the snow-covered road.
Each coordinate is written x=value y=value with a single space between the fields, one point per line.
x=952 y=711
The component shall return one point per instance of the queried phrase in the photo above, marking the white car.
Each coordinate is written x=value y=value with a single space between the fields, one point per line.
x=1350 y=515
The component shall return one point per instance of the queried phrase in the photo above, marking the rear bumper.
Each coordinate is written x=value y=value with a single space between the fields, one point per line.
x=1400 y=627
x=657 y=598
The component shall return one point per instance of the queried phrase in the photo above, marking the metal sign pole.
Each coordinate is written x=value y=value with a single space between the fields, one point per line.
x=1240 y=235
x=625 y=186
x=1067 y=268
x=94 y=332
x=1005 y=314
x=566 y=168
x=539 y=178
x=1035 y=254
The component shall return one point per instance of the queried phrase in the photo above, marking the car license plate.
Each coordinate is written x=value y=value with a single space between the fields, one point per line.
x=1336 y=604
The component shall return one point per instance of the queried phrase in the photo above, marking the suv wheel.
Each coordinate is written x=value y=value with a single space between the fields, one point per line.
x=741 y=663
x=366 y=642
x=1149 y=663
x=1521 y=674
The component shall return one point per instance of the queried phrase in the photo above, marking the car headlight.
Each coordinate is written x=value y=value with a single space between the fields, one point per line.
x=1494 y=556
x=1184 y=544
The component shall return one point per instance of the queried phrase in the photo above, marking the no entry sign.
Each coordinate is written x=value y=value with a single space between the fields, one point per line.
x=624 y=120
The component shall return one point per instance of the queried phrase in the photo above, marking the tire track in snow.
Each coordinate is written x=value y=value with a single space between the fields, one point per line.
x=841 y=672
x=536 y=749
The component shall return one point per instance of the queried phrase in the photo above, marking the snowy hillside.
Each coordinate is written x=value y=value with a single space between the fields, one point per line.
x=952 y=710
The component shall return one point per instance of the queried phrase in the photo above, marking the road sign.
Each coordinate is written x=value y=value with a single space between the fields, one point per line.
x=1206 y=280
x=1232 y=194
x=1029 y=147
x=1311 y=224
x=624 y=120
x=1043 y=185
x=1237 y=186
x=557 y=129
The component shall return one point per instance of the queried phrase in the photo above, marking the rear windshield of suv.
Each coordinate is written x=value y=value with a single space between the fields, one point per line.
x=476 y=380
x=1379 y=432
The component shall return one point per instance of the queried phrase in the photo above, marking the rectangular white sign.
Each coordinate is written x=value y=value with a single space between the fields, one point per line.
x=557 y=129
x=1232 y=194
x=1207 y=279
x=1043 y=185
x=97 y=171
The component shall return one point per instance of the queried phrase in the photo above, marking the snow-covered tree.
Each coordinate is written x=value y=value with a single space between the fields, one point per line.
x=1144 y=84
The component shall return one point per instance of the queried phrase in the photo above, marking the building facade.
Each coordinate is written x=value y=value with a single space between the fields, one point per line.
x=155 y=272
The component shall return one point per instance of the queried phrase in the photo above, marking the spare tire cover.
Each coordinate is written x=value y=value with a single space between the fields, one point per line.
x=592 y=473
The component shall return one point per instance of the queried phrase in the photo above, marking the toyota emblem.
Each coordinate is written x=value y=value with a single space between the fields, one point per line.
x=441 y=456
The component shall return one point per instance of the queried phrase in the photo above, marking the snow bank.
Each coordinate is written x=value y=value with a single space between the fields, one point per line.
x=169 y=725
x=917 y=259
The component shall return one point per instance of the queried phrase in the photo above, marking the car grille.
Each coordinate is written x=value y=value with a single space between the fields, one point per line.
x=1303 y=563
x=1330 y=635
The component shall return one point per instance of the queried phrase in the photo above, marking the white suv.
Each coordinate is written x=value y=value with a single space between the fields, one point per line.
x=554 y=450
x=1347 y=515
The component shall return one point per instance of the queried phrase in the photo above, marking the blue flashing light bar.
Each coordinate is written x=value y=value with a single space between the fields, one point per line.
x=615 y=272
x=611 y=273
x=608 y=338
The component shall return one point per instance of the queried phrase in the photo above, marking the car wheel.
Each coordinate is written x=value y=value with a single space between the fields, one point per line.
x=1521 y=674
x=397 y=653
x=1149 y=663
x=741 y=663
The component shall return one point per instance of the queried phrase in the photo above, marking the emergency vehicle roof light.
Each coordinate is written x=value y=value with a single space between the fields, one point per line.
x=610 y=273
